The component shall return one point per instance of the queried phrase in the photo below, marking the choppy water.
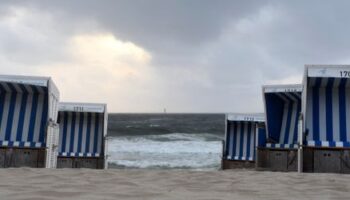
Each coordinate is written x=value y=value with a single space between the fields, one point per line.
x=166 y=141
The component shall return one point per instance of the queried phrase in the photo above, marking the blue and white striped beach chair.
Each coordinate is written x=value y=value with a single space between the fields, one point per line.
x=83 y=128
x=326 y=111
x=28 y=116
x=282 y=109
x=239 y=145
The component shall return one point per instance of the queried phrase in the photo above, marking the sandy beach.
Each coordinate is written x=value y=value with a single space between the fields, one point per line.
x=25 y=183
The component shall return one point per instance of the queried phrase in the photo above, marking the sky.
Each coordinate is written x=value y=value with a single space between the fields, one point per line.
x=185 y=56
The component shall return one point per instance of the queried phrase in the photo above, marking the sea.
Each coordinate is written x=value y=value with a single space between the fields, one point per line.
x=165 y=141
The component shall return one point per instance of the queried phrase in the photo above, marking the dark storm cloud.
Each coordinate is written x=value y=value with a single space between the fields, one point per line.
x=155 y=22
x=207 y=54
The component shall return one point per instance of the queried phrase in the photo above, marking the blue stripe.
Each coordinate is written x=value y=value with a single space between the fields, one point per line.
x=250 y=124
x=72 y=132
x=331 y=144
x=97 y=122
x=295 y=134
x=261 y=137
x=227 y=139
x=234 y=139
x=80 y=136
x=102 y=121
x=64 y=135
x=33 y=114
x=241 y=141
x=289 y=118
x=235 y=142
x=2 y=102
x=22 y=113
x=44 y=119
x=329 y=112
x=88 y=130
x=315 y=110
x=274 y=115
x=342 y=112
x=11 y=112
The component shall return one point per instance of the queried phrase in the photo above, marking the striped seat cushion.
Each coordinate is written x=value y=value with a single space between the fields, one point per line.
x=281 y=146
x=327 y=144
x=240 y=158
x=74 y=154
x=22 y=144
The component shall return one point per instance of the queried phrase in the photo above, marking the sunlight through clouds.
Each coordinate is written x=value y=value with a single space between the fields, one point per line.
x=102 y=68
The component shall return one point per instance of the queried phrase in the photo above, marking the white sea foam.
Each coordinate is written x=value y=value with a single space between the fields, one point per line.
x=176 y=150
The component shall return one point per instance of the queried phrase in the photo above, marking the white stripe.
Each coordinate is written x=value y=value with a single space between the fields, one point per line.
x=294 y=116
x=335 y=111
x=292 y=123
x=291 y=96
x=92 y=132
x=324 y=143
x=322 y=113
x=69 y=125
x=324 y=82
x=252 y=139
x=231 y=134
x=347 y=113
x=28 y=110
x=339 y=144
x=40 y=89
x=39 y=112
x=239 y=127
x=61 y=124
x=5 y=116
x=100 y=133
x=29 y=89
x=76 y=132
x=311 y=143
x=245 y=139
x=83 y=140
x=284 y=122
x=282 y=97
x=309 y=103
x=298 y=94
x=16 y=116
x=16 y=144
x=17 y=88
